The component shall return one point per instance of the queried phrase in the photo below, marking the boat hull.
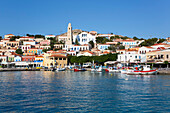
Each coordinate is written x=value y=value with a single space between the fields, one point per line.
x=112 y=71
x=150 y=72
x=61 y=69
x=76 y=70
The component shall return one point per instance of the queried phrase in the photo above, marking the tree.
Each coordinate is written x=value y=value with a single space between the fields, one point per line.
x=0 y=38
x=45 y=50
x=29 y=35
x=19 y=51
x=13 y=38
x=166 y=62
x=76 y=42
x=149 y=42
x=122 y=47
x=98 y=59
x=91 y=43
x=161 y=40
x=124 y=38
x=100 y=39
x=112 y=48
x=135 y=38
x=39 y=36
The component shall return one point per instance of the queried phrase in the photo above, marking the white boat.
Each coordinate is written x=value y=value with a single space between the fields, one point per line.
x=143 y=70
x=97 y=69
x=60 y=69
x=112 y=70
x=124 y=71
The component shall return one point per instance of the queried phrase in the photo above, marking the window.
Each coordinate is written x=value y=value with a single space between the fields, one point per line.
x=60 y=58
x=167 y=56
x=136 y=57
x=64 y=58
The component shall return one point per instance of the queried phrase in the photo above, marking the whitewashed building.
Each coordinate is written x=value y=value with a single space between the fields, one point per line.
x=127 y=56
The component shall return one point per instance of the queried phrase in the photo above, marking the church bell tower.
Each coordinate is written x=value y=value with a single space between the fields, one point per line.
x=69 y=35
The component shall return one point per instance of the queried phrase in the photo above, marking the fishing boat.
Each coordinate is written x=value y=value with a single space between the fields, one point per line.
x=142 y=70
x=79 y=69
x=99 y=69
x=112 y=70
x=60 y=69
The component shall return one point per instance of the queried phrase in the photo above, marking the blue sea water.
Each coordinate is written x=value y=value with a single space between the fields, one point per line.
x=45 y=91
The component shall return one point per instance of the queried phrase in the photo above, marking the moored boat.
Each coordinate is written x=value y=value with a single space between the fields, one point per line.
x=112 y=70
x=79 y=69
x=97 y=69
x=143 y=70
x=60 y=69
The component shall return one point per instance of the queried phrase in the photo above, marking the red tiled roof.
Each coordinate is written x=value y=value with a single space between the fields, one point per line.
x=60 y=56
x=9 y=34
x=26 y=37
x=160 y=44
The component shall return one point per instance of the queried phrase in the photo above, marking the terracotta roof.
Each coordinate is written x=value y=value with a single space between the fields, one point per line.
x=26 y=37
x=121 y=50
x=87 y=51
x=160 y=48
x=128 y=41
x=6 y=39
x=49 y=35
x=106 y=52
x=160 y=44
x=29 y=56
x=149 y=47
x=71 y=51
x=9 y=34
x=60 y=56
x=29 y=41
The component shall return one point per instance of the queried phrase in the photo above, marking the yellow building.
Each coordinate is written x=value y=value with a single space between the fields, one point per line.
x=55 y=60
x=27 y=54
x=32 y=50
x=158 y=56
x=12 y=44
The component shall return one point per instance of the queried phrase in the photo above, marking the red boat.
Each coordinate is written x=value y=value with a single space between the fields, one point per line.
x=146 y=70
x=79 y=69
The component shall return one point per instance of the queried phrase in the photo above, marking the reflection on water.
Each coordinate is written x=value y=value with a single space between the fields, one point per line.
x=37 y=91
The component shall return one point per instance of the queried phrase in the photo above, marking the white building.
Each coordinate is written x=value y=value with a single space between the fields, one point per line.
x=103 y=47
x=8 y=35
x=25 y=47
x=29 y=42
x=126 y=56
x=145 y=49
x=76 y=48
x=160 y=45
x=85 y=38
x=130 y=43
x=73 y=53
x=85 y=53
x=49 y=36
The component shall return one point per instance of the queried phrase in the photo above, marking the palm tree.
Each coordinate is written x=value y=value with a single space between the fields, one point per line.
x=166 y=62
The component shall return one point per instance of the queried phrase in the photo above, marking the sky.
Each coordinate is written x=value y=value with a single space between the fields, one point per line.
x=140 y=18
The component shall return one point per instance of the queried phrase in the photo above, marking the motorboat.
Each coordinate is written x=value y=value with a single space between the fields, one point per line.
x=79 y=69
x=60 y=69
x=142 y=70
x=97 y=69
x=112 y=70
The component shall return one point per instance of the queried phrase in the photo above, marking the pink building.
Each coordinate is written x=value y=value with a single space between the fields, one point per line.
x=45 y=42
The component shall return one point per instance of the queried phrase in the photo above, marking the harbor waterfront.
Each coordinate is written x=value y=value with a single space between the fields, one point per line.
x=68 y=91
